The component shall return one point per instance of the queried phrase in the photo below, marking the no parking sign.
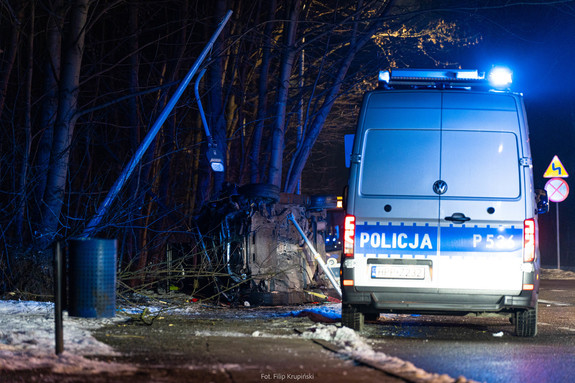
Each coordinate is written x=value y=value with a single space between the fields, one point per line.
x=557 y=189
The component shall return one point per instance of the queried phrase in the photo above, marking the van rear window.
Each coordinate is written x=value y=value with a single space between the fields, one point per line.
x=480 y=164
x=475 y=164
x=400 y=162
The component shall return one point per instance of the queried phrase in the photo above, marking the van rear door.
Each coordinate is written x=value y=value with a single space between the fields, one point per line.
x=396 y=209
x=481 y=213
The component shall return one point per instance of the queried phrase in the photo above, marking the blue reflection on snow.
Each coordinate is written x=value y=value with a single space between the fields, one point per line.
x=328 y=311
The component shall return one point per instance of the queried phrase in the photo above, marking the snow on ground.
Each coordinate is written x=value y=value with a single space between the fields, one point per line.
x=549 y=273
x=353 y=346
x=27 y=337
x=27 y=340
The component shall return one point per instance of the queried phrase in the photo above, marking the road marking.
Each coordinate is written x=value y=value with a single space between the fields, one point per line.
x=566 y=328
x=554 y=303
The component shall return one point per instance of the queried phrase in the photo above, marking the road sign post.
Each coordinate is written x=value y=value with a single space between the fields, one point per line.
x=558 y=244
x=557 y=191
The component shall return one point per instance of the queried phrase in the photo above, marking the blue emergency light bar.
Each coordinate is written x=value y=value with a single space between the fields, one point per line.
x=498 y=78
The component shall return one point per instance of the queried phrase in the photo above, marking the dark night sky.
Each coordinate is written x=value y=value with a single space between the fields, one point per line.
x=535 y=42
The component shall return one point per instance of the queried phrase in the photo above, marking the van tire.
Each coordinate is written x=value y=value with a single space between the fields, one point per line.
x=351 y=317
x=526 y=322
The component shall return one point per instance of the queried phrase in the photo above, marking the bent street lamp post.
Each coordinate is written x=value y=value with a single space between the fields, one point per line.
x=112 y=194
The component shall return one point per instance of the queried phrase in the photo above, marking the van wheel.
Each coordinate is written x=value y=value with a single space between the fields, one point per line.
x=526 y=322
x=351 y=317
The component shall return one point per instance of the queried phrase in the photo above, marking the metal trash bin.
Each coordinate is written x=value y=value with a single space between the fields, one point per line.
x=92 y=278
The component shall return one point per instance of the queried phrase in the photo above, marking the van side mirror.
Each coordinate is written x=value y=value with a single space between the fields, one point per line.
x=344 y=197
x=542 y=201
x=348 y=146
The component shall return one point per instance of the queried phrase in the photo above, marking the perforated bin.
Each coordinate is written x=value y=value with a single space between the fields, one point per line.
x=92 y=278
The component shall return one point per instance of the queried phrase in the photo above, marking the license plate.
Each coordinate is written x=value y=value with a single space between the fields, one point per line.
x=398 y=271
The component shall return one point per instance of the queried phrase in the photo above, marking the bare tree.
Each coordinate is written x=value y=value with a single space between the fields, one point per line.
x=317 y=122
x=22 y=194
x=286 y=68
x=65 y=121
x=49 y=105
x=102 y=71
x=263 y=85
x=15 y=14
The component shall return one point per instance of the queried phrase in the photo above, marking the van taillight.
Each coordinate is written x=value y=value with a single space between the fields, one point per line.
x=348 y=235
x=529 y=240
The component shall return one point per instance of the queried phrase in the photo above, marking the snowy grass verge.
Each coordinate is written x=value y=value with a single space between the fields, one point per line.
x=27 y=340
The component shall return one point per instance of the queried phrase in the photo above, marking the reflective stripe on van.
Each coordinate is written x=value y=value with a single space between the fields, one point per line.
x=411 y=240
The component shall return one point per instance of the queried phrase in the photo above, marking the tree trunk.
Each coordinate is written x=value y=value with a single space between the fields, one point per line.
x=49 y=107
x=168 y=181
x=8 y=64
x=65 y=122
x=262 y=97
x=24 y=166
x=286 y=68
x=214 y=116
x=133 y=237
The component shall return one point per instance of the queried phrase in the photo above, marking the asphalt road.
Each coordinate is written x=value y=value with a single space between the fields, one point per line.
x=260 y=344
x=485 y=349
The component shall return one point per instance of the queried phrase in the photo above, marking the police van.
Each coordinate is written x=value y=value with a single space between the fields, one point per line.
x=441 y=207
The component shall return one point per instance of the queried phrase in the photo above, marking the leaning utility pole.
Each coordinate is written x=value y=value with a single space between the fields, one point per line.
x=92 y=226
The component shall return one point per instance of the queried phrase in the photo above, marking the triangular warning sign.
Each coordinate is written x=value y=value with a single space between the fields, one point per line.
x=556 y=169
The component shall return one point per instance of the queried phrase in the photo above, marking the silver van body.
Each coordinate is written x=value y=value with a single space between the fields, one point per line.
x=442 y=204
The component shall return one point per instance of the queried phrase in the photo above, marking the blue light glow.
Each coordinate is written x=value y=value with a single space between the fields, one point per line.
x=500 y=77
x=384 y=76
